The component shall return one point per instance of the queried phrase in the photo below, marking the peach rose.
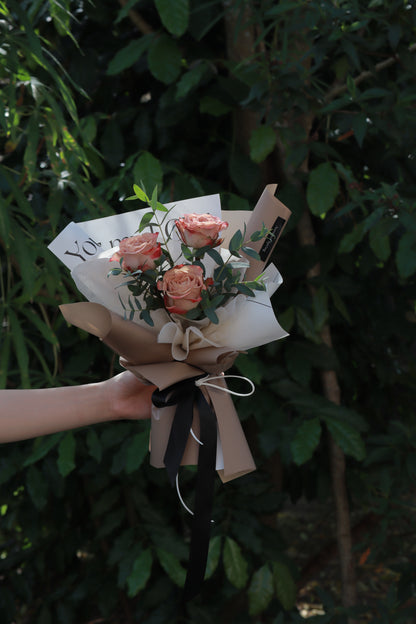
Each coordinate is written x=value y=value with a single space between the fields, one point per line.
x=138 y=252
x=181 y=287
x=200 y=230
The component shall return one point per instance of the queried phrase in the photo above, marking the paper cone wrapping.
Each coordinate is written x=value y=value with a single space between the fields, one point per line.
x=152 y=362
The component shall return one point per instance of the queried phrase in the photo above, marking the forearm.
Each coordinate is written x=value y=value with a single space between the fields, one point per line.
x=31 y=413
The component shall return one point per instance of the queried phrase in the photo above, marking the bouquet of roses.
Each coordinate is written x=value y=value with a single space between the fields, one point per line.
x=178 y=298
x=156 y=279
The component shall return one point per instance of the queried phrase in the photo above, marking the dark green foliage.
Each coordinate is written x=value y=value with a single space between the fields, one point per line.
x=90 y=105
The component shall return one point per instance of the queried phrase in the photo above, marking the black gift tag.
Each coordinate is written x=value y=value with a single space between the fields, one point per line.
x=271 y=239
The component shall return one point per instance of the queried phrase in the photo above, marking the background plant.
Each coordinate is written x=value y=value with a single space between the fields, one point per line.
x=203 y=97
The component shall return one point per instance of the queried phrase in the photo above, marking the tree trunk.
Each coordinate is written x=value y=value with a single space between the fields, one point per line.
x=240 y=35
x=330 y=385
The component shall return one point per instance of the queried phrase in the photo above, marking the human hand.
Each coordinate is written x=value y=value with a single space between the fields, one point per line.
x=128 y=397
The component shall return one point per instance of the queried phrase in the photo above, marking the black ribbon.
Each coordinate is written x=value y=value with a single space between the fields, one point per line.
x=185 y=394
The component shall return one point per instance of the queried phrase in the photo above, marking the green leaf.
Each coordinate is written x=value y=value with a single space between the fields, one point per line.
x=347 y=438
x=260 y=591
x=145 y=220
x=250 y=366
x=284 y=585
x=66 y=454
x=27 y=260
x=20 y=348
x=320 y=308
x=379 y=241
x=140 y=194
x=4 y=359
x=262 y=143
x=244 y=173
x=127 y=56
x=339 y=304
x=42 y=446
x=307 y=326
x=190 y=80
x=406 y=255
x=18 y=195
x=322 y=189
x=140 y=573
x=43 y=328
x=235 y=565
x=245 y=290
x=395 y=33
x=172 y=566
x=146 y=316
x=213 y=106
x=37 y=487
x=287 y=319
x=112 y=143
x=235 y=242
x=94 y=445
x=61 y=17
x=211 y=315
x=137 y=451
x=174 y=15
x=30 y=156
x=250 y=252
x=351 y=240
x=359 y=125
x=124 y=11
x=216 y=256
x=306 y=440
x=165 y=59
x=214 y=553
x=148 y=171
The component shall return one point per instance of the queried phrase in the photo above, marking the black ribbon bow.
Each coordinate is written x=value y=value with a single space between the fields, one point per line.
x=185 y=394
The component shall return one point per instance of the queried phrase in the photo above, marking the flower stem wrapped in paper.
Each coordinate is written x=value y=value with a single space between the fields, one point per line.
x=178 y=291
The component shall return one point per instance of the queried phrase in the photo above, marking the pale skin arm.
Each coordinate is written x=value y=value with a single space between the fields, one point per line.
x=31 y=413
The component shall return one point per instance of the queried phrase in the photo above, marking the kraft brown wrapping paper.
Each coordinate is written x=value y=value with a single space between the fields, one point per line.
x=150 y=361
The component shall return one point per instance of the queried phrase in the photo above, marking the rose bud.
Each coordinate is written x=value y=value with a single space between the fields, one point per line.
x=181 y=287
x=200 y=230
x=138 y=252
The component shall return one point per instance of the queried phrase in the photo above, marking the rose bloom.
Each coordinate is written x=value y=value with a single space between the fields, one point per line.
x=200 y=230
x=138 y=252
x=181 y=287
